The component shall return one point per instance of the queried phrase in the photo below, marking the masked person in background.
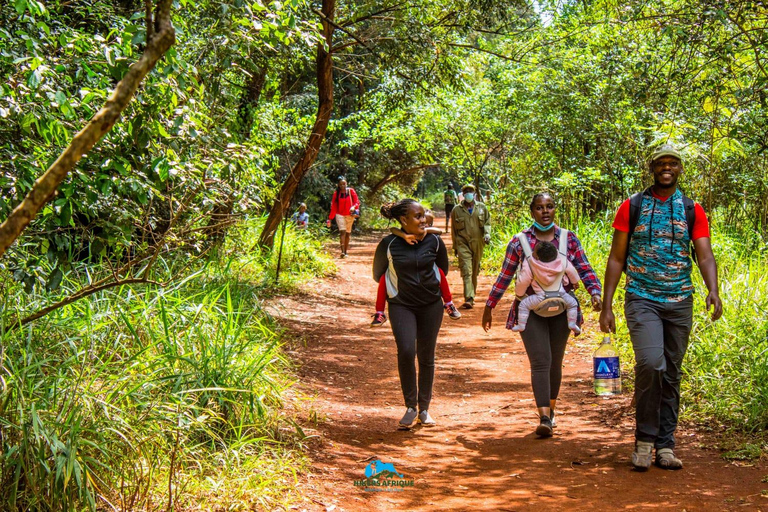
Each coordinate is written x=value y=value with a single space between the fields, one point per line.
x=471 y=231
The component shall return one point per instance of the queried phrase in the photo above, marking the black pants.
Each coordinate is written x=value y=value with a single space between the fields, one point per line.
x=415 y=330
x=545 y=340
x=659 y=333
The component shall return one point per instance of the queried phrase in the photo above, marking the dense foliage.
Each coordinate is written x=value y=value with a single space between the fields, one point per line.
x=513 y=96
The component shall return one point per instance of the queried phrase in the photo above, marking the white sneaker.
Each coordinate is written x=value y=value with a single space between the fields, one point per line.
x=426 y=420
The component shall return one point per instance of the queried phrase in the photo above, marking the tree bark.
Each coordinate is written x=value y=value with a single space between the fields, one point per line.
x=160 y=37
x=323 y=117
x=249 y=101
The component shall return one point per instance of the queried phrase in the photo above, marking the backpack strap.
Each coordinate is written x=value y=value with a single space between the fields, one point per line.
x=635 y=204
x=562 y=249
x=690 y=220
x=525 y=245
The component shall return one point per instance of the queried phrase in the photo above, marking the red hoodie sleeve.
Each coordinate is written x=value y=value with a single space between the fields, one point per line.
x=333 y=207
x=355 y=201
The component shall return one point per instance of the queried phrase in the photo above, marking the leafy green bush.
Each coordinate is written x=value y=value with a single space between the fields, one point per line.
x=138 y=398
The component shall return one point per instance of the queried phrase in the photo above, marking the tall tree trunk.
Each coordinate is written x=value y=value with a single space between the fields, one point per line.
x=250 y=100
x=324 y=109
x=160 y=37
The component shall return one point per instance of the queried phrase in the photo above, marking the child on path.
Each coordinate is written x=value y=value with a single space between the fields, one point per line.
x=543 y=270
x=381 y=294
x=301 y=217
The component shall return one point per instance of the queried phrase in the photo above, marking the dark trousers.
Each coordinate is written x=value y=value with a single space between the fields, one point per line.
x=545 y=340
x=659 y=333
x=415 y=330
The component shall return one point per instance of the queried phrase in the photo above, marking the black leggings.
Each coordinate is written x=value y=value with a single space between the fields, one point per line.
x=415 y=330
x=545 y=340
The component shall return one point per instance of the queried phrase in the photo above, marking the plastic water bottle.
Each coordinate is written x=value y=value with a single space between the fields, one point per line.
x=607 y=370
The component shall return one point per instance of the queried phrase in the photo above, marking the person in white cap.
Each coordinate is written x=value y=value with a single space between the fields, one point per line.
x=652 y=238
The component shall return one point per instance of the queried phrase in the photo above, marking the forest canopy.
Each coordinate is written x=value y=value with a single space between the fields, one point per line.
x=571 y=95
x=208 y=122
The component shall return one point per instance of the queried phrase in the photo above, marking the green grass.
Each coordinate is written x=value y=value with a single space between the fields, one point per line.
x=748 y=452
x=141 y=398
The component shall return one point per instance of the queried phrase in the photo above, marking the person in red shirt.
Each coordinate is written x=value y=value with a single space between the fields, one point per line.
x=654 y=250
x=345 y=208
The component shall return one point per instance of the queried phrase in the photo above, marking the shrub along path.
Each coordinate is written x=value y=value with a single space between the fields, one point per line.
x=482 y=455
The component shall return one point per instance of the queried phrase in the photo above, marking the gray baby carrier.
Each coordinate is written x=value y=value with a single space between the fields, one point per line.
x=553 y=303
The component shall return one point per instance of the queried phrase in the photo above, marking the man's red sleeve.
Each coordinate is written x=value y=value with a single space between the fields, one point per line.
x=701 y=226
x=621 y=222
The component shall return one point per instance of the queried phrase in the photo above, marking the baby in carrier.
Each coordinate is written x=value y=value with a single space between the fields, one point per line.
x=545 y=270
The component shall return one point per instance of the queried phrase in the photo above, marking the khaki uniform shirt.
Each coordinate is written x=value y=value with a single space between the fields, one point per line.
x=470 y=227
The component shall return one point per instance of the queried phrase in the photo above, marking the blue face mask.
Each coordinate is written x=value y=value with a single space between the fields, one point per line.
x=543 y=228
x=469 y=197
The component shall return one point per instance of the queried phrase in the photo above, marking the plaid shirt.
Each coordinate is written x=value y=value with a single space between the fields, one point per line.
x=514 y=256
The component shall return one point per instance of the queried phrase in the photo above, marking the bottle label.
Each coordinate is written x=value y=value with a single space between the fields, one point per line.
x=607 y=368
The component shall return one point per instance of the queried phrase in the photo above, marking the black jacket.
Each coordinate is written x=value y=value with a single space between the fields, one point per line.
x=412 y=277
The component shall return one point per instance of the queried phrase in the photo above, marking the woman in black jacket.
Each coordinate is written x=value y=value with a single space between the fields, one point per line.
x=415 y=303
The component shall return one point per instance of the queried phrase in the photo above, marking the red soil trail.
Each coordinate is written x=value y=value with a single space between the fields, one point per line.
x=482 y=455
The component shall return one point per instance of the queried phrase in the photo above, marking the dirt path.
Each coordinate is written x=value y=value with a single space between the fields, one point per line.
x=482 y=455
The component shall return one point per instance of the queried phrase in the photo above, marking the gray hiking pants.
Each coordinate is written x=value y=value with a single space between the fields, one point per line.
x=659 y=333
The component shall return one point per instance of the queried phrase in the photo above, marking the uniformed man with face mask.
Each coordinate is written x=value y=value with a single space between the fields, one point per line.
x=471 y=231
